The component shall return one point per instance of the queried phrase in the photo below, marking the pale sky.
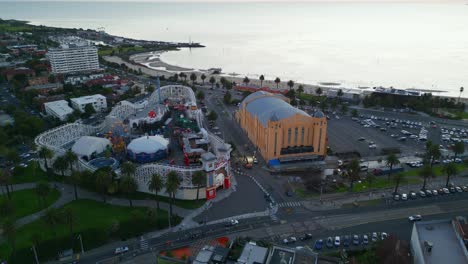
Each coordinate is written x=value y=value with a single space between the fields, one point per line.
x=322 y=1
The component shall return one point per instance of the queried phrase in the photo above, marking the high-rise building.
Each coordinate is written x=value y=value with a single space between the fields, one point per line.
x=74 y=57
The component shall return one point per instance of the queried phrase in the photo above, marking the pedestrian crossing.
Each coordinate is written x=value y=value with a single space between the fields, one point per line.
x=144 y=244
x=290 y=204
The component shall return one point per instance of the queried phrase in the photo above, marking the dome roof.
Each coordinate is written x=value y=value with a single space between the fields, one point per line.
x=148 y=144
x=86 y=146
x=319 y=114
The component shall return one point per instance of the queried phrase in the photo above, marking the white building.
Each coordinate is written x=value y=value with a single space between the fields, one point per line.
x=58 y=109
x=98 y=101
x=74 y=57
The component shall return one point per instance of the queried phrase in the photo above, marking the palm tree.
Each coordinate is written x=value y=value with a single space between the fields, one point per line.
x=128 y=168
x=203 y=77
x=451 y=170
x=461 y=91
x=300 y=89
x=71 y=159
x=69 y=218
x=458 y=148
x=277 y=81
x=46 y=154
x=392 y=160
x=262 y=78
x=397 y=179
x=52 y=217
x=128 y=186
x=172 y=185
x=5 y=180
x=75 y=178
x=318 y=91
x=183 y=75
x=290 y=84
x=212 y=81
x=42 y=190
x=9 y=231
x=246 y=80
x=433 y=153
x=353 y=172
x=198 y=179
x=426 y=172
x=193 y=78
x=103 y=181
x=155 y=185
x=339 y=94
x=60 y=164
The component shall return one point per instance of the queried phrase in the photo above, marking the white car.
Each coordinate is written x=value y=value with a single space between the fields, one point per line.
x=233 y=222
x=373 y=146
x=374 y=237
x=383 y=236
x=337 y=241
x=121 y=250
x=404 y=197
x=415 y=218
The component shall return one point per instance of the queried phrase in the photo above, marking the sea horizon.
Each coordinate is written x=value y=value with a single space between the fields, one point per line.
x=356 y=44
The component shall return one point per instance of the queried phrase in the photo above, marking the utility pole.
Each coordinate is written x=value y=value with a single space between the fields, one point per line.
x=81 y=243
x=33 y=248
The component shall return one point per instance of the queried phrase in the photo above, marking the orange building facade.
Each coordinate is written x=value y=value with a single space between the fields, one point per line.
x=280 y=131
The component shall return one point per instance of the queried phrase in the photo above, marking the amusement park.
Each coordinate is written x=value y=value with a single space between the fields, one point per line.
x=165 y=132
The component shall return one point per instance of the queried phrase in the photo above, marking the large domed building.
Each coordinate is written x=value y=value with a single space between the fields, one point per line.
x=281 y=132
x=148 y=149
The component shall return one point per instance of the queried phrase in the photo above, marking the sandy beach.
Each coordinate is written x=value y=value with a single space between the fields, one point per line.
x=144 y=61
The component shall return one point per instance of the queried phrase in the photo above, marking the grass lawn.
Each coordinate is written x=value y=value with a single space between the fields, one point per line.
x=187 y=204
x=32 y=173
x=91 y=216
x=438 y=170
x=165 y=261
x=26 y=202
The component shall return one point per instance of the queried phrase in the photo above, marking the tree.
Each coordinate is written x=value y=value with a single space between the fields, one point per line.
x=52 y=218
x=9 y=231
x=300 y=89
x=200 y=95
x=354 y=113
x=172 y=185
x=203 y=77
x=426 y=172
x=246 y=80
x=391 y=161
x=461 y=91
x=262 y=78
x=449 y=169
x=344 y=109
x=12 y=155
x=7 y=208
x=69 y=218
x=458 y=148
x=339 y=94
x=433 y=153
x=75 y=179
x=183 y=76
x=277 y=81
x=103 y=181
x=212 y=115
x=150 y=89
x=318 y=91
x=155 y=185
x=290 y=84
x=89 y=110
x=128 y=186
x=60 y=164
x=71 y=159
x=5 y=180
x=193 y=78
x=227 y=98
x=212 y=81
x=42 y=191
x=397 y=179
x=353 y=172
x=128 y=168
x=198 y=179
x=46 y=154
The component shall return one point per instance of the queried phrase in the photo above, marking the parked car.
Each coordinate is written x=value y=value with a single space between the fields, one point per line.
x=374 y=237
x=465 y=188
x=318 y=244
x=337 y=241
x=232 y=222
x=415 y=218
x=428 y=193
x=435 y=193
x=346 y=241
x=458 y=189
x=329 y=242
x=446 y=191
x=121 y=250
x=412 y=195
x=404 y=197
x=356 y=240
x=289 y=240
x=452 y=190
x=306 y=237
x=383 y=236
x=422 y=194
x=396 y=197
x=365 y=239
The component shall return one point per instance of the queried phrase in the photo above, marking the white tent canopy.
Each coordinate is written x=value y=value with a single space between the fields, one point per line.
x=148 y=144
x=86 y=146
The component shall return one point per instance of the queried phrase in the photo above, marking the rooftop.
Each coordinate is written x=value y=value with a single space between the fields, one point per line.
x=87 y=99
x=61 y=107
x=446 y=243
x=270 y=107
x=252 y=254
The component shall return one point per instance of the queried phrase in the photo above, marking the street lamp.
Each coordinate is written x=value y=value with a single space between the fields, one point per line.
x=81 y=243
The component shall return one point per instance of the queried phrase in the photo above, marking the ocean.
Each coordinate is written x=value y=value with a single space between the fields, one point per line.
x=422 y=46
